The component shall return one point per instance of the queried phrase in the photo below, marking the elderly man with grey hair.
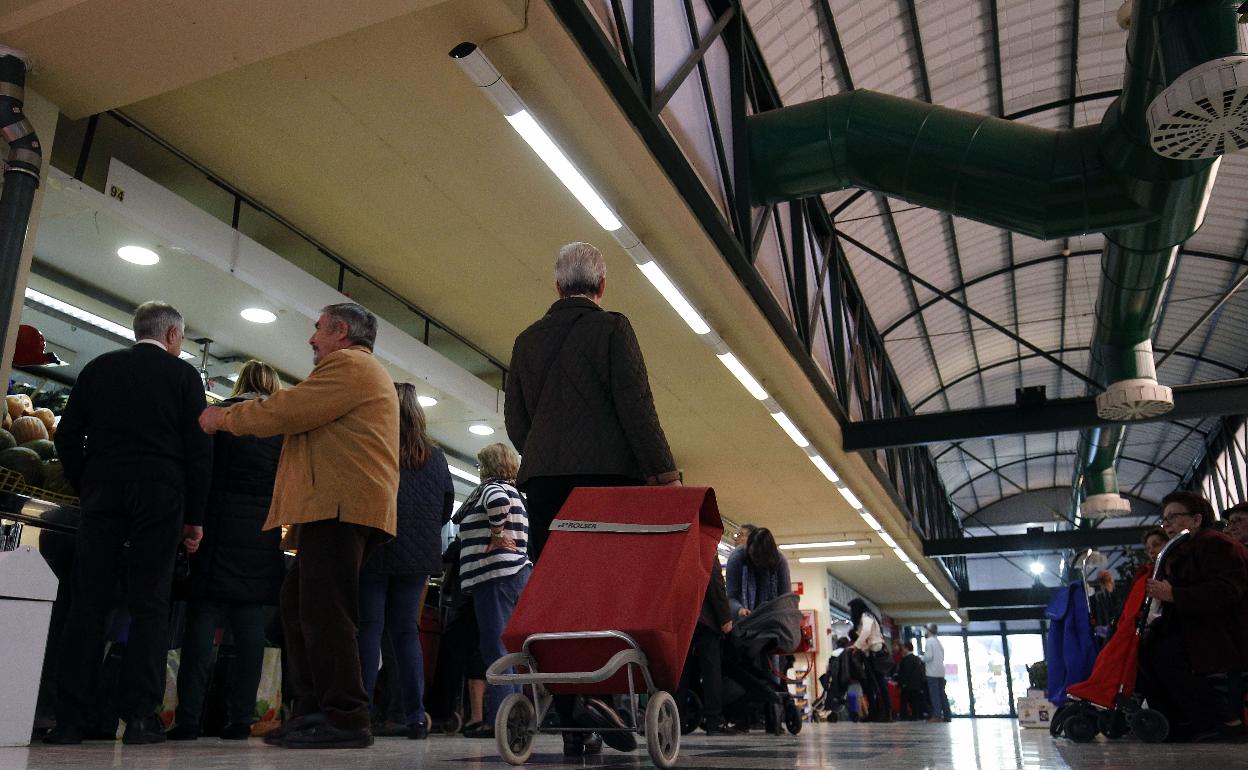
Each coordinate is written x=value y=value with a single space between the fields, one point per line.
x=337 y=488
x=130 y=445
x=580 y=412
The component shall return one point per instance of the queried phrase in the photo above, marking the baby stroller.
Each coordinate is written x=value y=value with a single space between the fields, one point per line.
x=1107 y=702
x=617 y=632
x=842 y=670
x=750 y=680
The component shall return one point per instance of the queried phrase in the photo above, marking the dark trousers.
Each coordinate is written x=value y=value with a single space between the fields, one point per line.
x=1166 y=679
x=875 y=685
x=246 y=623
x=706 y=651
x=493 y=602
x=913 y=703
x=148 y=516
x=320 y=610
x=545 y=495
x=459 y=658
x=392 y=602
x=938 y=699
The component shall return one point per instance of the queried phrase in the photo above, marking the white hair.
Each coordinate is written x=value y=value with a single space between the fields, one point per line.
x=580 y=269
x=153 y=319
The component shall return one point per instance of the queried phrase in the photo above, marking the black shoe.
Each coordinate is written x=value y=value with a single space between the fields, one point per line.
x=182 y=733
x=615 y=734
x=275 y=737
x=418 y=731
x=235 y=731
x=143 y=731
x=716 y=727
x=479 y=730
x=64 y=735
x=326 y=736
x=593 y=744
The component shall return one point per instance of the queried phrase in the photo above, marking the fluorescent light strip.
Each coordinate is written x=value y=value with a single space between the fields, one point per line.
x=956 y=617
x=889 y=541
x=825 y=559
x=852 y=499
x=808 y=546
x=742 y=374
x=783 y=420
x=913 y=567
x=77 y=312
x=465 y=475
x=901 y=554
x=871 y=522
x=557 y=162
x=824 y=468
x=655 y=274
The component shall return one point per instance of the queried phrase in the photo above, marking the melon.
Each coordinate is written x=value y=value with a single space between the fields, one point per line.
x=54 y=479
x=24 y=461
x=6 y=440
x=46 y=417
x=42 y=447
x=19 y=405
x=28 y=429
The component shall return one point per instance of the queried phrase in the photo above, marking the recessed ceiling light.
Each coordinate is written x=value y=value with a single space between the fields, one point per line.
x=1037 y=568
x=828 y=544
x=481 y=430
x=825 y=559
x=427 y=400
x=138 y=255
x=258 y=315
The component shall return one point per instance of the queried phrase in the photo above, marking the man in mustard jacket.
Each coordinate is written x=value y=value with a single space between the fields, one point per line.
x=337 y=486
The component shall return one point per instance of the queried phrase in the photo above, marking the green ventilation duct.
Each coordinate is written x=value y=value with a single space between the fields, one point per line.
x=1142 y=176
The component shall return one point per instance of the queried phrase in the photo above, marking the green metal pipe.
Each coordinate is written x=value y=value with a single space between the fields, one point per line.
x=1039 y=182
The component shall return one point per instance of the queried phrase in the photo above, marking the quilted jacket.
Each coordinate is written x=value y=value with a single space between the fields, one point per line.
x=425 y=499
x=579 y=400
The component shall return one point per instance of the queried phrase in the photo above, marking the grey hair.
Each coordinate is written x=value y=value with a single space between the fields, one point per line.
x=153 y=319
x=580 y=269
x=931 y=628
x=361 y=324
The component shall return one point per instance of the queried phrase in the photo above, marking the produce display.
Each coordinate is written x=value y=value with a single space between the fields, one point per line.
x=27 y=454
x=25 y=461
x=28 y=428
x=6 y=440
x=19 y=404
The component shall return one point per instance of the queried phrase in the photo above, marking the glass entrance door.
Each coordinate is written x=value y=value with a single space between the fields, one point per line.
x=989 y=679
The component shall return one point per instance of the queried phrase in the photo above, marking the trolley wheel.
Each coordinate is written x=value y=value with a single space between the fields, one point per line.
x=453 y=723
x=662 y=729
x=1081 y=727
x=515 y=727
x=1113 y=723
x=1057 y=724
x=691 y=714
x=1150 y=725
x=792 y=718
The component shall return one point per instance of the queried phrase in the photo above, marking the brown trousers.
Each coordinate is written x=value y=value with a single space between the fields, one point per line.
x=320 y=615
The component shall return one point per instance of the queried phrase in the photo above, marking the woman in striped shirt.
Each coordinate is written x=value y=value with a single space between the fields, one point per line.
x=494 y=564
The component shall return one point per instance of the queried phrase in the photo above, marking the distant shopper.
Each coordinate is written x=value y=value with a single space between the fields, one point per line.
x=143 y=477
x=1237 y=522
x=1203 y=628
x=756 y=574
x=706 y=650
x=580 y=412
x=742 y=534
x=934 y=661
x=494 y=562
x=237 y=573
x=337 y=485
x=392 y=584
x=877 y=660
x=912 y=680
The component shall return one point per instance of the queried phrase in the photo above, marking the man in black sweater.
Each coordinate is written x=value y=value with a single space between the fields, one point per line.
x=131 y=445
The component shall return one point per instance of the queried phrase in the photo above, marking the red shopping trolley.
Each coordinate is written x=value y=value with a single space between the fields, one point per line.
x=615 y=597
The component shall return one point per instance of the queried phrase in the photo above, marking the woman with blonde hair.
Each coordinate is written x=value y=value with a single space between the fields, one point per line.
x=392 y=581
x=236 y=574
x=494 y=562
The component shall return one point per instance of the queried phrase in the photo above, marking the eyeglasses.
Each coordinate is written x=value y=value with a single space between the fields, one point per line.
x=1173 y=516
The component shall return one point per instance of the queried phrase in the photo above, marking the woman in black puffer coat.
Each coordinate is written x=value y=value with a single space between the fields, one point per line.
x=392 y=581
x=237 y=572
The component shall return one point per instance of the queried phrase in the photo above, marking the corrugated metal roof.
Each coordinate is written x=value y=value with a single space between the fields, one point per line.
x=1056 y=71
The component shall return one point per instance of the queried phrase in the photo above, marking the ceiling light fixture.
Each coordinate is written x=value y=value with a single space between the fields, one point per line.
x=889 y=541
x=871 y=521
x=258 y=315
x=956 y=617
x=743 y=375
x=912 y=567
x=851 y=498
x=426 y=401
x=1037 y=568
x=659 y=279
x=824 y=468
x=808 y=546
x=481 y=430
x=87 y=317
x=463 y=474
x=138 y=255
x=826 y=559
x=783 y=420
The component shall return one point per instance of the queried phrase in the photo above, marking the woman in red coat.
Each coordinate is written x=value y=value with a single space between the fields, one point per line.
x=1203 y=628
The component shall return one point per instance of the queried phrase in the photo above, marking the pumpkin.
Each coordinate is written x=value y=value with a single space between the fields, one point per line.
x=24 y=461
x=28 y=429
x=19 y=405
x=46 y=416
x=6 y=440
x=42 y=447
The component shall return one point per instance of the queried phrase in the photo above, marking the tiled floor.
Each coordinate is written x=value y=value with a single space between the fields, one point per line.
x=985 y=744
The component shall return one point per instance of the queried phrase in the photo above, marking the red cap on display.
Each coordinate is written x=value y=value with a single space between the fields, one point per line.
x=30 y=348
